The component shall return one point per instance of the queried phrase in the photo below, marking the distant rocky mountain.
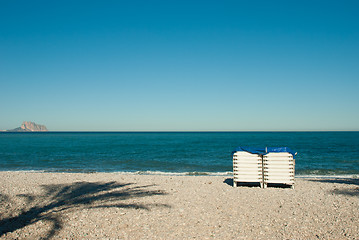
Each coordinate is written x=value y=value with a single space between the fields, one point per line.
x=29 y=127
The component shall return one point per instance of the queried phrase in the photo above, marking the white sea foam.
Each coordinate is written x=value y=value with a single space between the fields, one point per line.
x=331 y=176
x=177 y=173
x=131 y=172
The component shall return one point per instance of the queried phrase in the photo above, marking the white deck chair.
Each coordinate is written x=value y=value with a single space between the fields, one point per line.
x=247 y=168
x=278 y=168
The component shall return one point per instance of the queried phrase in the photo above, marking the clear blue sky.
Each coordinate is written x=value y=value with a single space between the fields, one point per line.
x=180 y=65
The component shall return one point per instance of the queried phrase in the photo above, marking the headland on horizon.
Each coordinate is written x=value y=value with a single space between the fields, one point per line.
x=28 y=126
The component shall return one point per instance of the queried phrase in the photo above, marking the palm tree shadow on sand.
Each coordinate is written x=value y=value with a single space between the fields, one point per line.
x=57 y=199
x=352 y=182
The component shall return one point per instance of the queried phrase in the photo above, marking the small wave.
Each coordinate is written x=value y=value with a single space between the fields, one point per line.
x=196 y=173
x=329 y=176
x=178 y=173
x=87 y=171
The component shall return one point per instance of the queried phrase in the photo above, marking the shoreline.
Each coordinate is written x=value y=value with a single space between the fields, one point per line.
x=160 y=173
x=128 y=206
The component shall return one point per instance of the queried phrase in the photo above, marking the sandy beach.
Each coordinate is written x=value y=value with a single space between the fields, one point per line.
x=125 y=206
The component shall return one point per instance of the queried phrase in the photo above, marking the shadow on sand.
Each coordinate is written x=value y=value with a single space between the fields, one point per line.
x=59 y=198
x=353 y=182
x=229 y=181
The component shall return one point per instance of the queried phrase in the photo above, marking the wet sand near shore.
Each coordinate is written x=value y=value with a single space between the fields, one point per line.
x=36 y=205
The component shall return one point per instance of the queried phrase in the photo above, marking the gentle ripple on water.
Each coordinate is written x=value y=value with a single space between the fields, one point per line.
x=178 y=152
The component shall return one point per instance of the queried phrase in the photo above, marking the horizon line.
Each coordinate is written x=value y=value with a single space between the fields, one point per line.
x=174 y=131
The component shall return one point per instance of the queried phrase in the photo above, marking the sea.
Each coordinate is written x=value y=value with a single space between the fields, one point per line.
x=181 y=153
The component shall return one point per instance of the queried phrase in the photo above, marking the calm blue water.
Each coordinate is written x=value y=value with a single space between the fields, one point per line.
x=181 y=152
